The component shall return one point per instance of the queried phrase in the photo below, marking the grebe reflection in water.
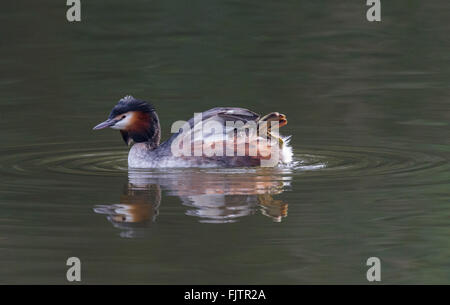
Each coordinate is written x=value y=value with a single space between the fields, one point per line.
x=213 y=196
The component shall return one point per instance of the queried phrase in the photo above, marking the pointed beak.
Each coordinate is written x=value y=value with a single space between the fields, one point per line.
x=107 y=123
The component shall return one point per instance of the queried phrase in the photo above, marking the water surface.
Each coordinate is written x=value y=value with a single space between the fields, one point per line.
x=368 y=111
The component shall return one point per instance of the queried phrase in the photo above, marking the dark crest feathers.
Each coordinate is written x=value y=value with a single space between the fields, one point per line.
x=129 y=103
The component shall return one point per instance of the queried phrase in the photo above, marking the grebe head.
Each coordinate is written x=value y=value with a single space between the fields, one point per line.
x=136 y=120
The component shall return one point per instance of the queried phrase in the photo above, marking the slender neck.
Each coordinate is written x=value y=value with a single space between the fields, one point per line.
x=154 y=131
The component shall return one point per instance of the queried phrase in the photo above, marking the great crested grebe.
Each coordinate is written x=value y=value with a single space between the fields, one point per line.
x=139 y=125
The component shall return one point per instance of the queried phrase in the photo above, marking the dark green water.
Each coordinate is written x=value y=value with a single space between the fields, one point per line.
x=368 y=109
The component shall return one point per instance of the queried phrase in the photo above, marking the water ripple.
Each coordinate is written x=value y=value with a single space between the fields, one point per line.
x=330 y=161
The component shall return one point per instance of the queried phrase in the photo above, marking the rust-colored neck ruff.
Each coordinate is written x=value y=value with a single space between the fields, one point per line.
x=143 y=127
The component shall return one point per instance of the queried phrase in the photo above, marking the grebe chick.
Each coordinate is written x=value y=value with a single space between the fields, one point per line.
x=139 y=125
